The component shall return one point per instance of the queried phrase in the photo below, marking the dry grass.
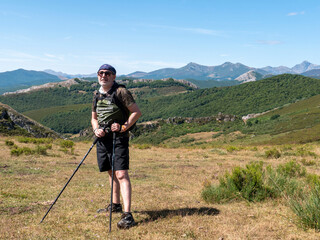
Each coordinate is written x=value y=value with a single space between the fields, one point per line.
x=166 y=196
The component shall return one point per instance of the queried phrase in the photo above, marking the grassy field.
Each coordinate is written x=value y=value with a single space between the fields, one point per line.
x=167 y=185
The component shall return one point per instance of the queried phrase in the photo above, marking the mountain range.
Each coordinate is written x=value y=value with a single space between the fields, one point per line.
x=20 y=79
x=225 y=71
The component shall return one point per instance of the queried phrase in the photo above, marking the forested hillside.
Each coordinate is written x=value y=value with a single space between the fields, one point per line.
x=69 y=110
x=252 y=97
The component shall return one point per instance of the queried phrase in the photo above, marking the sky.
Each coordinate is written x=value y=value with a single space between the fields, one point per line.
x=76 y=37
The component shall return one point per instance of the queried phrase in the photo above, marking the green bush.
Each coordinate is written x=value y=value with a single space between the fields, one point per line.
x=187 y=140
x=40 y=150
x=17 y=151
x=142 y=146
x=253 y=183
x=291 y=169
x=273 y=117
x=313 y=180
x=35 y=140
x=272 y=153
x=232 y=148
x=307 y=209
x=9 y=143
x=66 y=144
x=243 y=183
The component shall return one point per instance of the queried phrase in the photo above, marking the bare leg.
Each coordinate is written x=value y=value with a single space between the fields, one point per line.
x=125 y=186
x=116 y=187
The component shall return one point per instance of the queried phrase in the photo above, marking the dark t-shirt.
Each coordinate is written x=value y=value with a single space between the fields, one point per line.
x=107 y=110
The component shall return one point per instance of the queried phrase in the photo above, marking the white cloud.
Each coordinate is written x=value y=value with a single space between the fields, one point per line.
x=295 y=13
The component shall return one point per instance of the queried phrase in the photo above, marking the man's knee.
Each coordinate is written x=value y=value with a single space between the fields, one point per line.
x=122 y=175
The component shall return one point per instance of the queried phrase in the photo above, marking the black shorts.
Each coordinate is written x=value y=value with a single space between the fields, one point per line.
x=104 y=153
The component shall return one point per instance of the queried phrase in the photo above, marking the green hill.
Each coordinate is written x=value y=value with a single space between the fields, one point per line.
x=68 y=110
x=252 y=97
x=213 y=83
x=295 y=123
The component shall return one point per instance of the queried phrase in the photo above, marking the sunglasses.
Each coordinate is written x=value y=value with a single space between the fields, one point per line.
x=107 y=73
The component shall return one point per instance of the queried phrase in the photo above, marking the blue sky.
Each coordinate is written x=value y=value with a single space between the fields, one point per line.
x=78 y=36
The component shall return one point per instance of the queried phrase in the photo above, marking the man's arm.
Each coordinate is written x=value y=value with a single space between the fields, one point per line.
x=134 y=116
x=95 y=125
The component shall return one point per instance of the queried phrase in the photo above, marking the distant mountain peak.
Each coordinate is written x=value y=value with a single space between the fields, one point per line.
x=304 y=67
x=192 y=64
x=226 y=64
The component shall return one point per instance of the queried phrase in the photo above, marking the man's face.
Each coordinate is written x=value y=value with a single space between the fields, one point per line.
x=106 y=78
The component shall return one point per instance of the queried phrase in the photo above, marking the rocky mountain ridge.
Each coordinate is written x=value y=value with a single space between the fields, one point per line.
x=249 y=76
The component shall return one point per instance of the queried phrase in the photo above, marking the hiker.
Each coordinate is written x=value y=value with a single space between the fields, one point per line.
x=114 y=103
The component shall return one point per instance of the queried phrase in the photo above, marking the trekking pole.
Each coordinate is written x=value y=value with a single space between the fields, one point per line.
x=112 y=176
x=94 y=142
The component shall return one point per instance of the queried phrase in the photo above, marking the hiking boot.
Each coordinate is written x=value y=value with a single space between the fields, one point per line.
x=115 y=208
x=126 y=221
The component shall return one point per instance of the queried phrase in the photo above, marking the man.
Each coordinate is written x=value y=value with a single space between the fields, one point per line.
x=114 y=106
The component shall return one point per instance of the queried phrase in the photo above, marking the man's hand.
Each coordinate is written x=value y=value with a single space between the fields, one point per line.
x=99 y=132
x=115 y=127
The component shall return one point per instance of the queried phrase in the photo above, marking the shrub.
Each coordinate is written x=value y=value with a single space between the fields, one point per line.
x=187 y=140
x=41 y=150
x=313 y=180
x=35 y=140
x=272 y=153
x=273 y=117
x=232 y=148
x=307 y=209
x=66 y=144
x=247 y=183
x=9 y=143
x=143 y=146
x=301 y=190
x=27 y=151
x=291 y=169
x=253 y=183
x=17 y=151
